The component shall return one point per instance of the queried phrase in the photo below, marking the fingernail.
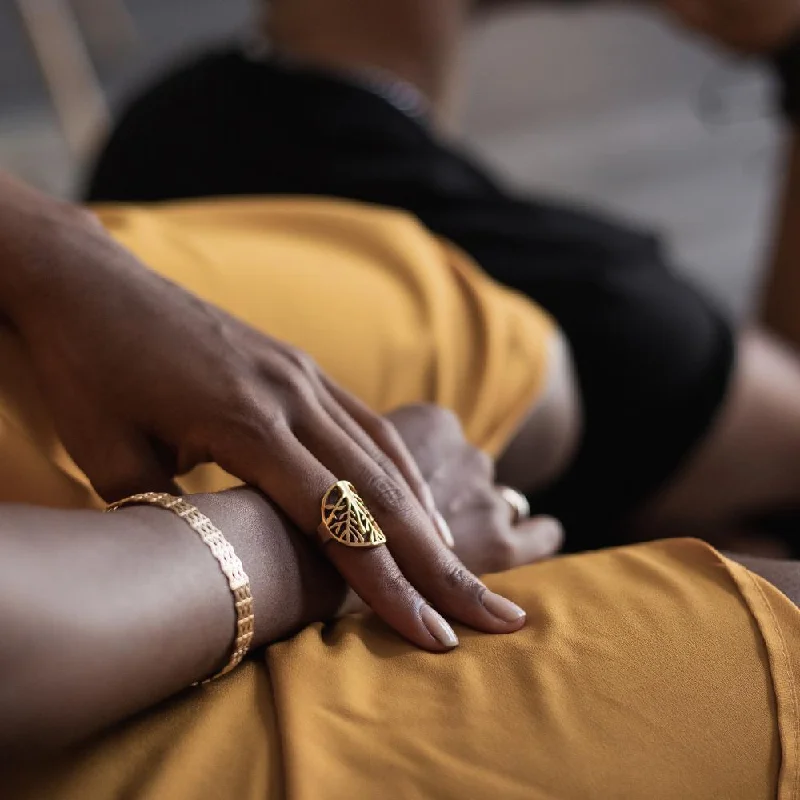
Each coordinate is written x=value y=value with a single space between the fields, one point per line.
x=438 y=628
x=444 y=529
x=501 y=608
x=550 y=533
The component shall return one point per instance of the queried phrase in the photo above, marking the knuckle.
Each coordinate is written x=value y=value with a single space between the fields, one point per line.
x=250 y=417
x=240 y=397
x=247 y=423
x=298 y=388
x=459 y=579
x=397 y=584
x=387 y=496
x=479 y=462
x=270 y=425
x=301 y=362
x=384 y=431
x=387 y=465
x=448 y=421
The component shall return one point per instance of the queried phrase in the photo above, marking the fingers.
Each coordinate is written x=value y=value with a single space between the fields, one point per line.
x=377 y=579
x=296 y=479
x=535 y=540
x=528 y=539
x=419 y=553
x=380 y=441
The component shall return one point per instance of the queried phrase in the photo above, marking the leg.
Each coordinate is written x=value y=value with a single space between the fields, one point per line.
x=415 y=40
x=750 y=459
x=646 y=674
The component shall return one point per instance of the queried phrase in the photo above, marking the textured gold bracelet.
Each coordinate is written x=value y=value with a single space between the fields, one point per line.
x=229 y=562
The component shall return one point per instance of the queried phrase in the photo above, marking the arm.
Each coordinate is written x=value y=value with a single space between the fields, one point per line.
x=106 y=614
x=145 y=380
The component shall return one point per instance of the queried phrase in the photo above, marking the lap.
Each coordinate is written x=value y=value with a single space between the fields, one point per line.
x=386 y=309
x=620 y=686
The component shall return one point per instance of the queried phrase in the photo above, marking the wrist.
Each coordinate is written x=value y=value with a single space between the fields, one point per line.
x=292 y=584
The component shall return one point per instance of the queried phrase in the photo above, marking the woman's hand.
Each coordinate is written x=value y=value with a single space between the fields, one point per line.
x=747 y=26
x=146 y=380
x=462 y=480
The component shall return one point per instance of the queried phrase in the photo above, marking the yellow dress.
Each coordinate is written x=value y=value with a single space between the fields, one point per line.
x=657 y=671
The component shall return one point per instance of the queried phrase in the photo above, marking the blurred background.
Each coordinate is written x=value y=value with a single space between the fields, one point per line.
x=606 y=106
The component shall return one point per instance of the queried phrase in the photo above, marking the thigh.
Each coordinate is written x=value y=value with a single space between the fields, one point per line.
x=749 y=461
x=384 y=308
x=620 y=687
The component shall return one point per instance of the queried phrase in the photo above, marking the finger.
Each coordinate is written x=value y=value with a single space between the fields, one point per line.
x=535 y=540
x=281 y=467
x=379 y=438
x=420 y=554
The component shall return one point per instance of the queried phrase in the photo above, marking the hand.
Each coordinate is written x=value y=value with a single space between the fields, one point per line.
x=747 y=26
x=146 y=380
x=462 y=480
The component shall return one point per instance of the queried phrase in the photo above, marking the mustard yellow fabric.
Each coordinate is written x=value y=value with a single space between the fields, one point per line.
x=658 y=671
x=391 y=313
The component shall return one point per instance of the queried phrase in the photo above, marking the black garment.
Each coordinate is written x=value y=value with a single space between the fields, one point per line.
x=652 y=354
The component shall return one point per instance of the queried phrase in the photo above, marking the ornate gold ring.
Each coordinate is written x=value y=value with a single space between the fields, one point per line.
x=346 y=519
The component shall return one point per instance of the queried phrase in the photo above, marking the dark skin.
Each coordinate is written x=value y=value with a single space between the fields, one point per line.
x=104 y=615
x=57 y=266
x=96 y=642
x=145 y=381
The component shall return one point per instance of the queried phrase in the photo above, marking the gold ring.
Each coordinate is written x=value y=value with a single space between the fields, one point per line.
x=520 y=507
x=346 y=519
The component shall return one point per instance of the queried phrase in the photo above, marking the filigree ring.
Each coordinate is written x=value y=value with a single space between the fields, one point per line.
x=346 y=519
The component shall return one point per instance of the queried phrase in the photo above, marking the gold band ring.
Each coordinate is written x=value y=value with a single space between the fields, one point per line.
x=346 y=519
x=520 y=507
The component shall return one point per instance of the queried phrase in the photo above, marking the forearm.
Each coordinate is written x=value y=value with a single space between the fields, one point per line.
x=105 y=615
x=780 y=303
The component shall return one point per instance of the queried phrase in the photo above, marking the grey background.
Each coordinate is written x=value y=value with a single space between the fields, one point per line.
x=607 y=106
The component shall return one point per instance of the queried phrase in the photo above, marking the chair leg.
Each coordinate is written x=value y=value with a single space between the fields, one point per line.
x=74 y=87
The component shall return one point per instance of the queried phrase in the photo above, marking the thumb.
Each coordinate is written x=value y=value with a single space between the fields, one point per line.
x=536 y=539
x=119 y=462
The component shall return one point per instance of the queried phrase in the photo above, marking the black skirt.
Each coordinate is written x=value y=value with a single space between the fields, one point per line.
x=653 y=355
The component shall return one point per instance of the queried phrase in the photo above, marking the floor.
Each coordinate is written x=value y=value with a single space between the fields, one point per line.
x=607 y=106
